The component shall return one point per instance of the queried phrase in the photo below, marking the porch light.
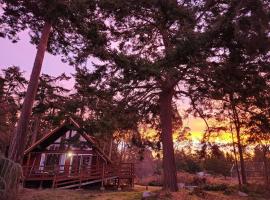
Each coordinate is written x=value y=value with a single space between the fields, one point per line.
x=70 y=154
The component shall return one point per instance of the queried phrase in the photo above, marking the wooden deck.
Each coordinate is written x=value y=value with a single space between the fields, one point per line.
x=66 y=177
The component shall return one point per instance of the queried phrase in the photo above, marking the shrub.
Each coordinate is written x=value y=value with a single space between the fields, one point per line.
x=193 y=166
x=199 y=181
x=213 y=187
x=154 y=183
x=245 y=189
x=229 y=191
x=198 y=192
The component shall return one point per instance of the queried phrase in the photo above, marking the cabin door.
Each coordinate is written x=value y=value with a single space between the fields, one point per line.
x=78 y=163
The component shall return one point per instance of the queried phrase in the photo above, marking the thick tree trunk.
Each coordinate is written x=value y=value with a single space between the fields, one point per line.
x=169 y=168
x=18 y=143
x=35 y=131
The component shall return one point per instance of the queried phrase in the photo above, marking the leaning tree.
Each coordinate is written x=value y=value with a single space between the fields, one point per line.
x=58 y=26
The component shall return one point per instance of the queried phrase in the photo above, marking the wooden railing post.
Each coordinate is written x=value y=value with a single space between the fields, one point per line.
x=56 y=172
x=54 y=181
x=80 y=180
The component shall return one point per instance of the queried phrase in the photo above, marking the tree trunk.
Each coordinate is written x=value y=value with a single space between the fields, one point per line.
x=110 y=150
x=237 y=125
x=35 y=132
x=242 y=162
x=169 y=168
x=236 y=161
x=19 y=140
x=265 y=162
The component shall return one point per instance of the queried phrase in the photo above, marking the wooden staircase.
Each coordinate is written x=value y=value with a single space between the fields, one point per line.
x=79 y=182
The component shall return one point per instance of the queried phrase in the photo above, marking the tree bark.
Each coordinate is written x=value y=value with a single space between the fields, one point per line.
x=19 y=140
x=242 y=162
x=110 y=150
x=237 y=125
x=265 y=162
x=236 y=161
x=35 y=131
x=169 y=168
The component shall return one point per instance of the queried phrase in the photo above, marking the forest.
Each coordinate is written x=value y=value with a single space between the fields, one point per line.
x=144 y=72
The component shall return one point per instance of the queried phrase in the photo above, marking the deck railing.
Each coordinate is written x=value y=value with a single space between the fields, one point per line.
x=122 y=170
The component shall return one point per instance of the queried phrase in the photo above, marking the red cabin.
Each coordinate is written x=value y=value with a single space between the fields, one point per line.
x=67 y=157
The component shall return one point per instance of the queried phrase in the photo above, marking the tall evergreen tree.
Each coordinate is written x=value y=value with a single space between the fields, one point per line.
x=259 y=127
x=156 y=47
x=12 y=88
x=60 y=26
x=98 y=108
x=236 y=73
x=50 y=105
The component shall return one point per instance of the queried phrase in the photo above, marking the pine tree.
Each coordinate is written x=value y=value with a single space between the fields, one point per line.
x=236 y=75
x=59 y=26
x=12 y=88
x=49 y=108
x=156 y=47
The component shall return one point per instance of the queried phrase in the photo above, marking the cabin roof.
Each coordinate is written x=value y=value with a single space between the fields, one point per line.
x=59 y=131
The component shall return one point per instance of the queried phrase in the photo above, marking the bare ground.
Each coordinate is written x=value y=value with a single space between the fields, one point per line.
x=57 y=194
x=136 y=194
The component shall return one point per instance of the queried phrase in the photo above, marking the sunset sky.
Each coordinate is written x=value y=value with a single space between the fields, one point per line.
x=22 y=54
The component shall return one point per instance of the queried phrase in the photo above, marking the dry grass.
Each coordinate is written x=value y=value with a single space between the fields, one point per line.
x=187 y=178
x=50 y=194
x=185 y=195
x=136 y=194
x=95 y=195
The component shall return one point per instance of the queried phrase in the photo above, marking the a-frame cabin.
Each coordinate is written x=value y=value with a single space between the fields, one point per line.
x=67 y=157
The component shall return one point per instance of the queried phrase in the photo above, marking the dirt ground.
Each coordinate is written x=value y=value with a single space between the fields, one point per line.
x=136 y=194
x=49 y=194
x=187 y=178
x=57 y=194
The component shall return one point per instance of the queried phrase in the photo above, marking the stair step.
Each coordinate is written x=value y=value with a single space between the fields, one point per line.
x=85 y=182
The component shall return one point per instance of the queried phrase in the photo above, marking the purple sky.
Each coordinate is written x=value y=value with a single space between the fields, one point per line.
x=23 y=53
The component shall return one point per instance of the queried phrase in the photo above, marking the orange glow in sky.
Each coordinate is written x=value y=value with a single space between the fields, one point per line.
x=197 y=129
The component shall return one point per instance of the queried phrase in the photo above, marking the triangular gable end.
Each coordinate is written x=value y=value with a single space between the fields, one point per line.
x=68 y=133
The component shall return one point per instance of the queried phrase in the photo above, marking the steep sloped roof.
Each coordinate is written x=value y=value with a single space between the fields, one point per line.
x=59 y=131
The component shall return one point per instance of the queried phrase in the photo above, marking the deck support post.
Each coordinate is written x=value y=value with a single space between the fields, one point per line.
x=118 y=185
x=80 y=181
x=23 y=183
x=54 y=180
x=27 y=165
x=132 y=174
x=102 y=188
x=40 y=184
